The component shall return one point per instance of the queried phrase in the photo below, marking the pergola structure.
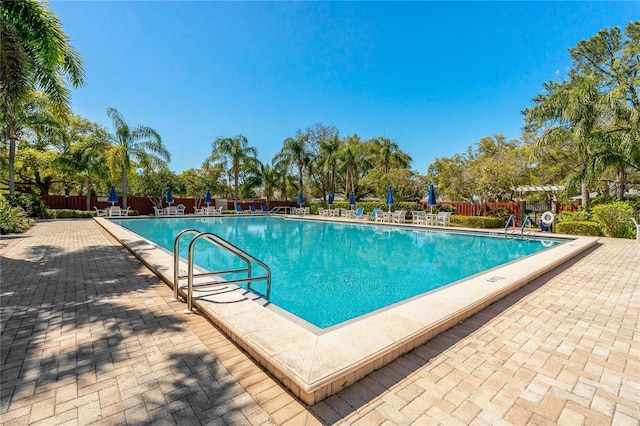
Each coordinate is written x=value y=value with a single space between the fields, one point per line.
x=539 y=188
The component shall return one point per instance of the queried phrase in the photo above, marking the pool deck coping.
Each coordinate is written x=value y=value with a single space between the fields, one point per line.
x=314 y=366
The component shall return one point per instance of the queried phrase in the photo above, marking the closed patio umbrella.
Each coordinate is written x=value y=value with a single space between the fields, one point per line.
x=207 y=198
x=352 y=199
x=431 y=201
x=113 y=196
x=300 y=201
x=389 y=197
x=169 y=198
x=330 y=201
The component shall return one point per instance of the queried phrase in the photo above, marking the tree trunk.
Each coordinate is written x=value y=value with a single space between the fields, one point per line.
x=125 y=187
x=89 y=188
x=11 y=136
x=621 y=183
x=236 y=177
x=584 y=196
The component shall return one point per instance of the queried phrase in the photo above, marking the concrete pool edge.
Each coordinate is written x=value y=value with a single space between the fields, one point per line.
x=316 y=366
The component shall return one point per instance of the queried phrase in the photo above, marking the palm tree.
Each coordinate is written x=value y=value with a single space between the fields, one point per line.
x=35 y=55
x=233 y=154
x=354 y=161
x=329 y=149
x=141 y=144
x=266 y=176
x=281 y=167
x=389 y=154
x=295 y=151
x=570 y=110
x=83 y=155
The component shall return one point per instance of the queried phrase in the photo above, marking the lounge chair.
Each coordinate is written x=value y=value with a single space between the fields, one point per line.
x=373 y=214
x=359 y=214
x=306 y=210
x=321 y=211
x=100 y=212
x=239 y=209
x=264 y=208
x=159 y=212
x=252 y=209
x=443 y=218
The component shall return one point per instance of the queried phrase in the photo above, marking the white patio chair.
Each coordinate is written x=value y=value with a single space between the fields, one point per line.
x=100 y=212
x=443 y=218
x=399 y=216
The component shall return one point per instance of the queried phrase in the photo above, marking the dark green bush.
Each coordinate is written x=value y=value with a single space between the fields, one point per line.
x=32 y=205
x=68 y=213
x=477 y=221
x=579 y=228
x=499 y=212
x=12 y=219
x=446 y=208
x=614 y=219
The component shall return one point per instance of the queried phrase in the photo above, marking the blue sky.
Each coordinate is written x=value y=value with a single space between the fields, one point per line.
x=435 y=77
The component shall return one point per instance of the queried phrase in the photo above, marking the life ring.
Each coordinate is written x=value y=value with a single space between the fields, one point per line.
x=547 y=218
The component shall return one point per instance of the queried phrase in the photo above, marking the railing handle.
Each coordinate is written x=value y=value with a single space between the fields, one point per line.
x=176 y=260
x=225 y=245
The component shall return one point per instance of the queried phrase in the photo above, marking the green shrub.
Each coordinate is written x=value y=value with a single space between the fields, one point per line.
x=579 y=228
x=68 y=213
x=581 y=215
x=12 y=219
x=32 y=205
x=447 y=208
x=614 y=219
x=477 y=221
x=499 y=212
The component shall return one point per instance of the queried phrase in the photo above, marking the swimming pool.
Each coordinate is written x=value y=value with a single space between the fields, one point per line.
x=327 y=273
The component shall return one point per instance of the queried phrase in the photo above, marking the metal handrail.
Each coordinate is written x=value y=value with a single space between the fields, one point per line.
x=176 y=261
x=526 y=220
x=227 y=246
x=276 y=209
x=512 y=218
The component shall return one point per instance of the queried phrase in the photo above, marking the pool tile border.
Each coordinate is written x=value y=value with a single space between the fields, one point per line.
x=314 y=366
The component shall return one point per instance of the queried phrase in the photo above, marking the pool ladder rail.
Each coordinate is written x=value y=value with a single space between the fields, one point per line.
x=512 y=220
x=224 y=245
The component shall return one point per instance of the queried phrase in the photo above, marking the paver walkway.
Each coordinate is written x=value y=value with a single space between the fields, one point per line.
x=88 y=336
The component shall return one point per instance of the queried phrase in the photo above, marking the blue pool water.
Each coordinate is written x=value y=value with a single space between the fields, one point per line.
x=327 y=272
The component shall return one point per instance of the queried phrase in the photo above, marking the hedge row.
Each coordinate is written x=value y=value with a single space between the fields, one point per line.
x=477 y=221
x=579 y=228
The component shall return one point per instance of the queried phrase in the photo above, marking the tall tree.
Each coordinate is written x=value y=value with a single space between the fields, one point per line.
x=83 y=156
x=141 y=144
x=329 y=150
x=233 y=154
x=37 y=126
x=389 y=154
x=35 y=54
x=296 y=151
x=597 y=106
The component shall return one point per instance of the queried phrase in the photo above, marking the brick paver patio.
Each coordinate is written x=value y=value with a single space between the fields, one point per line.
x=88 y=336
